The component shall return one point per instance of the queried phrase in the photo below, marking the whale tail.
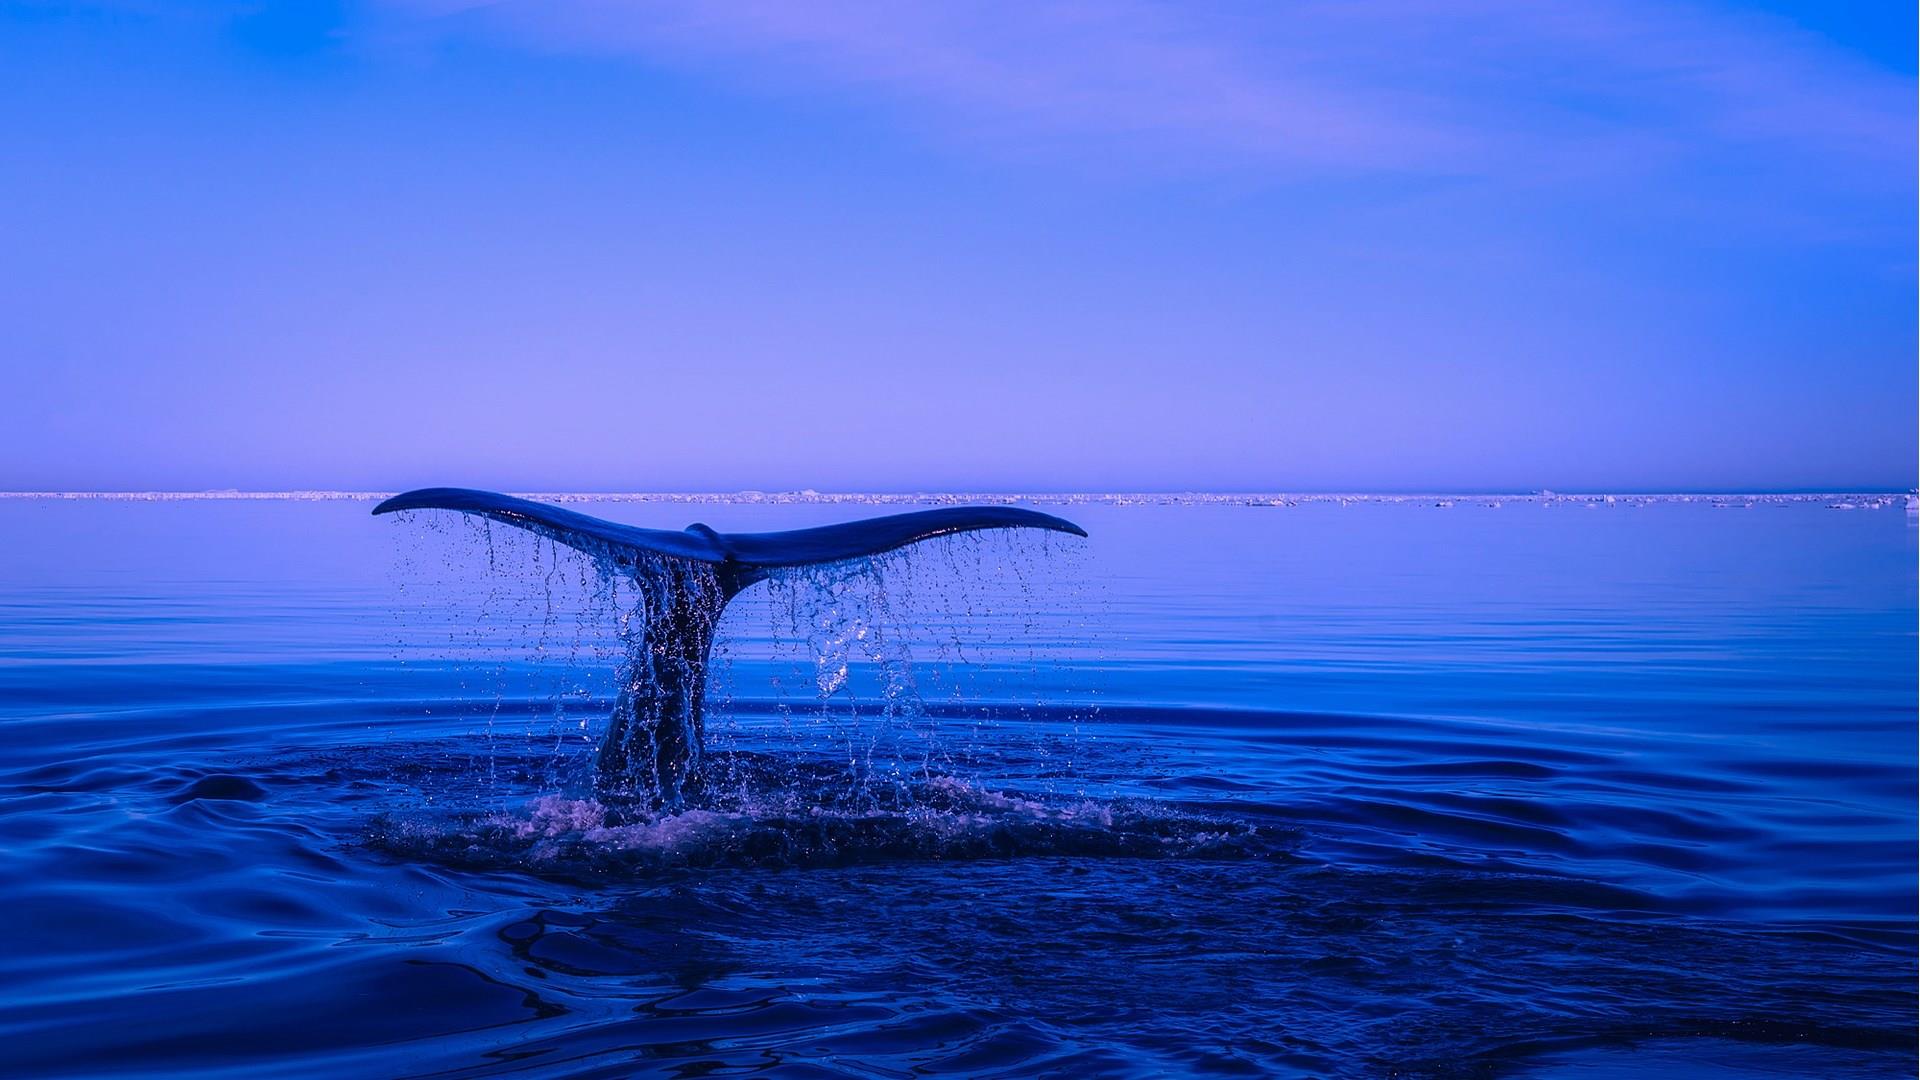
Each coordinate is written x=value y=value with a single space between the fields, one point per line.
x=653 y=748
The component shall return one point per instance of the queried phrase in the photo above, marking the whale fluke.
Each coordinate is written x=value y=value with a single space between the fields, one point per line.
x=653 y=749
x=740 y=558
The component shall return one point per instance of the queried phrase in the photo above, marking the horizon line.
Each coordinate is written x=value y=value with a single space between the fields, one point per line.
x=813 y=495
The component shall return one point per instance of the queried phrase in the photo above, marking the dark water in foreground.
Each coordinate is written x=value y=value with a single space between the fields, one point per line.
x=1381 y=790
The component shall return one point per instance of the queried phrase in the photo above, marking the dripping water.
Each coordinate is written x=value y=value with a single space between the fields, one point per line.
x=851 y=710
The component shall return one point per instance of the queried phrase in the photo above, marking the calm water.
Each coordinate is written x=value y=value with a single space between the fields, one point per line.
x=1377 y=790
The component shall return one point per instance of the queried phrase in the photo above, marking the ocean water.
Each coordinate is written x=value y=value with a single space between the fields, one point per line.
x=1548 y=789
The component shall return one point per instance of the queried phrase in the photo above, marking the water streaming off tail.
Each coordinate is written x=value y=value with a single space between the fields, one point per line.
x=853 y=711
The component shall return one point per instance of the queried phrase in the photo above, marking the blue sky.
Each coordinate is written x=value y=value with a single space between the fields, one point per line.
x=591 y=245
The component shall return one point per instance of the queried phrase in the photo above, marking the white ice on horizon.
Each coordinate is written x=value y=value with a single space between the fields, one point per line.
x=1280 y=500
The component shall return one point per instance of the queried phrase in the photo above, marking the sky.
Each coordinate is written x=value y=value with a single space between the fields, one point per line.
x=591 y=245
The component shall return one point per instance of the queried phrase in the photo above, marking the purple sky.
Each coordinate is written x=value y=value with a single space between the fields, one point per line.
x=591 y=245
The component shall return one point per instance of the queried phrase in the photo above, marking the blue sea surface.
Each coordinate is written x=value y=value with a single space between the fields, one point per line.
x=1545 y=789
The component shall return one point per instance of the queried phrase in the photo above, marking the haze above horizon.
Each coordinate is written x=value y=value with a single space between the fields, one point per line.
x=1047 y=248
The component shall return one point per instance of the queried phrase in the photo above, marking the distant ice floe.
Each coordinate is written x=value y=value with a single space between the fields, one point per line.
x=1281 y=500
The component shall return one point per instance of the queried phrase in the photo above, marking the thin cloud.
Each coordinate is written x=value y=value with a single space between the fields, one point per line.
x=1480 y=87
